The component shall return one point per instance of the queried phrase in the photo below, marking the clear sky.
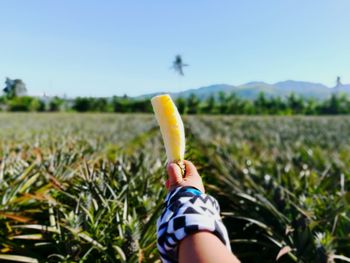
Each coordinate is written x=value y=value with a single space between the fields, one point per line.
x=105 y=48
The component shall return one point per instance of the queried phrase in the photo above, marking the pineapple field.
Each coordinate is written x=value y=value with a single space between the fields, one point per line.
x=90 y=187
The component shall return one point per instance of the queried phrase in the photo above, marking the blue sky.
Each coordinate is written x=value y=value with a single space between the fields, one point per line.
x=105 y=48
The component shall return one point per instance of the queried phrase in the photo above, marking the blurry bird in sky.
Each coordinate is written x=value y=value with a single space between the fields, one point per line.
x=178 y=65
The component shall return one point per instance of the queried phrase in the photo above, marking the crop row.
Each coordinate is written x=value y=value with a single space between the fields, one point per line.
x=89 y=187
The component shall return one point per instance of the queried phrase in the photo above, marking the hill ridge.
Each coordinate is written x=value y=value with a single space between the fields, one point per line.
x=251 y=90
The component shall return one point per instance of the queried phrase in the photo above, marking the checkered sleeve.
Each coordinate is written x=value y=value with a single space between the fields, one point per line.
x=187 y=211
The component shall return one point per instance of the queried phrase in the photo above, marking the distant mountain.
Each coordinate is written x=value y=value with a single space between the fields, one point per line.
x=204 y=92
x=252 y=89
x=199 y=92
x=305 y=89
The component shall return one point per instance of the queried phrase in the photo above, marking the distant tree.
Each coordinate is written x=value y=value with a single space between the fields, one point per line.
x=222 y=102
x=339 y=84
x=234 y=104
x=296 y=104
x=261 y=104
x=311 y=107
x=209 y=105
x=36 y=105
x=56 y=104
x=14 y=88
x=142 y=106
x=248 y=107
x=276 y=105
x=192 y=104
x=119 y=104
x=25 y=103
x=99 y=105
x=2 y=100
x=82 y=104
x=181 y=105
x=337 y=104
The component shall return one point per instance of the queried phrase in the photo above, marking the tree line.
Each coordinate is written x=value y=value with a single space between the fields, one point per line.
x=219 y=104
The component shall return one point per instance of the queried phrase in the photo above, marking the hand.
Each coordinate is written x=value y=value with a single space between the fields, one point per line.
x=191 y=178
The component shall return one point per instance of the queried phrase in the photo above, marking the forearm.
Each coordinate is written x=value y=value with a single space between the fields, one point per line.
x=204 y=247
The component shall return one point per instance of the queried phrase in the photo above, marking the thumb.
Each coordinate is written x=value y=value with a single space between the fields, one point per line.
x=174 y=175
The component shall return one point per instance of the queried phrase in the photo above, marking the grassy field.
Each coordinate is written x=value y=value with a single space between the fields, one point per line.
x=89 y=187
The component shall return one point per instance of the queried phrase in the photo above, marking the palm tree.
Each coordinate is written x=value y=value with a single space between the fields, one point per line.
x=14 y=88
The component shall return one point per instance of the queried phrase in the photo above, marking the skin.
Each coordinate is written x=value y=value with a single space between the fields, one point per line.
x=201 y=247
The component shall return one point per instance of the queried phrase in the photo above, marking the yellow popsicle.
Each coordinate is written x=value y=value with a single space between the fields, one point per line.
x=171 y=127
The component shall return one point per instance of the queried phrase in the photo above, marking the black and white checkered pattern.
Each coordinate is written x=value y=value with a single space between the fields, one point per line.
x=186 y=213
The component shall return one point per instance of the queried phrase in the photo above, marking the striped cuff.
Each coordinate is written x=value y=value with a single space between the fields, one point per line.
x=187 y=211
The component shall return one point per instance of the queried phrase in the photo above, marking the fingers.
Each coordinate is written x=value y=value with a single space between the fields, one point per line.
x=193 y=176
x=174 y=175
x=176 y=179
x=191 y=170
